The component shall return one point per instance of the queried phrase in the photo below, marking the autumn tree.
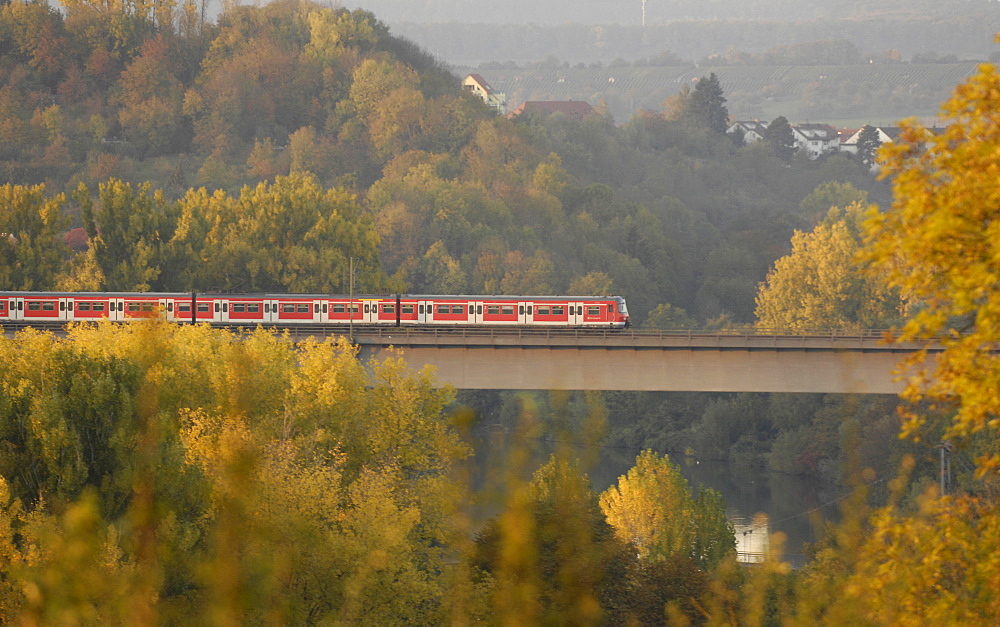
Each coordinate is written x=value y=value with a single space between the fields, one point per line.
x=128 y=229
x=938 y=244
x=289 y=235
x=822 y=285
x=653 y=508
x=31 y=247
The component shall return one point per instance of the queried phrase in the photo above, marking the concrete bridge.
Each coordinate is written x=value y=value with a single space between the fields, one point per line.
x=648 y=361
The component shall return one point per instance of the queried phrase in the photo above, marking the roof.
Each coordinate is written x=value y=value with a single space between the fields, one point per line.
x=481 y=82
x=573 y=109
x=816 y=131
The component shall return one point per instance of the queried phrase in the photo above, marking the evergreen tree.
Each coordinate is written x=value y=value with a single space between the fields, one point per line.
x=706 y=106
x=868 y=144
x=780 y=138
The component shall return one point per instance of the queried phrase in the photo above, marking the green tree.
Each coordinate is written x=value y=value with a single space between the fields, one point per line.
x=707 y=106
x=667 y=316
x=822 y=285
x=868 y=144
x=780 y=137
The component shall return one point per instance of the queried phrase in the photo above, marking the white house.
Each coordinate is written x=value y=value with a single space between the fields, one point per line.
x=478 y=85
x=816 y=139
x=751 y=131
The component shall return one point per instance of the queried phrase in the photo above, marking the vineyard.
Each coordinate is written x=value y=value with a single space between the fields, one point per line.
x=839 y=95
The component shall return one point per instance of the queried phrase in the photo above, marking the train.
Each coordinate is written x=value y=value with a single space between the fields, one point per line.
x=317 y=309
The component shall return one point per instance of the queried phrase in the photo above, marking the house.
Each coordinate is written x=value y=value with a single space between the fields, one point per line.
x=816 y=139
x=572 y=109
x=751 y=131
x=478 y=86
x=886 y=134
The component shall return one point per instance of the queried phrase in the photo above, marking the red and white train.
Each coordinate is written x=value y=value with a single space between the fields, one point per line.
x=282 y=309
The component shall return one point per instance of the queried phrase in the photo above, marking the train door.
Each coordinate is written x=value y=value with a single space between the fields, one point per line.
x=576 y=314
x=65 y=309
x=167 y=308
x=424 y=313
x=116 y=309
x=222 y=310
x=525 y=312
x=476 y=312
x=270 y=311
x=15 y=308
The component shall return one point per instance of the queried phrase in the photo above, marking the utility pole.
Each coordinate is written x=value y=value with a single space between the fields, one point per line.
x=644 y=13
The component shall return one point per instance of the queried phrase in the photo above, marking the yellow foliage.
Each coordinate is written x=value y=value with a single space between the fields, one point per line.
x=940 y=244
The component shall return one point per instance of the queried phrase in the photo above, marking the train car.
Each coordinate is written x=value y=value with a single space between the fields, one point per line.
x=314 y=309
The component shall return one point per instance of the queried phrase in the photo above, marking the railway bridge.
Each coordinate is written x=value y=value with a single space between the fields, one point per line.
x=725 y=361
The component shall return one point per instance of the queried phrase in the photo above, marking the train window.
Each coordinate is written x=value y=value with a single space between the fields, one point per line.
x=479 y=310
x=521 y=309
x=493 y=310
x=216 y=307
x=339 y=308
x=579 y=310
x=593 y=310
x=83 y=307
x=48 y=306
x=367 y=308
x=354 y=309
x=69 y=305
x=253 y=307
x=442 y=309
x=558 y=310
x=457 y=309
x=611 y=309
x=406 y=309
x=133 y=306
x=147 y=306
x=203 y=307
x=98 y=306
x=507 y=310
x=543 y=310
x=326 y=307
x=62 y=306
x=170 y=306
x=239 y=307
x=34 y=307
x=302 y=308
x=183 y=308
x=389 y=309
x=225 y=307
x=20 y=305
x=421 y=310
x=288 y=308
x=315 y=307
x=529 y=310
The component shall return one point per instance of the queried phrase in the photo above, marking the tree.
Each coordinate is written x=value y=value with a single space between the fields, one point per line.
x=780 y=137
x=706 y=106
x=128 y=230
x=939 y=244
x=869 y=142
x=652 y=507
x=31 y=247
x=821 y=285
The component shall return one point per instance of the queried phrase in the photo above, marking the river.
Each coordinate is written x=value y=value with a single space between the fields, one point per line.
x=759 y=503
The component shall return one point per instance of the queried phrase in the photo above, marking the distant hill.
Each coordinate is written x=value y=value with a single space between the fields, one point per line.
x=839 y=95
